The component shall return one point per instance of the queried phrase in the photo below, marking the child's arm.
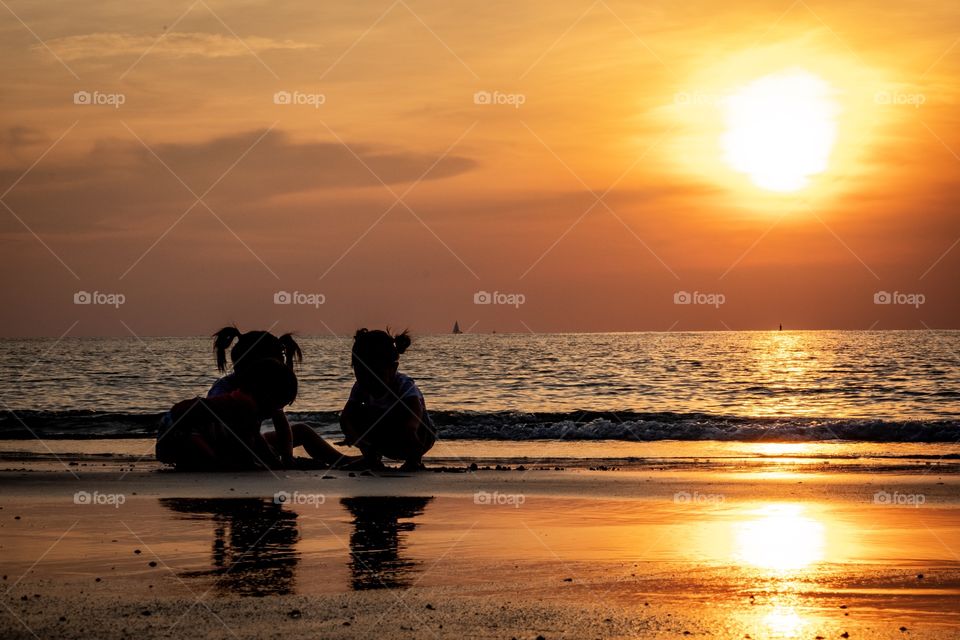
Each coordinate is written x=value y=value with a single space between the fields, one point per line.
x=284 y=441
x=264 y=454
x=245 y=445
x=348 y=425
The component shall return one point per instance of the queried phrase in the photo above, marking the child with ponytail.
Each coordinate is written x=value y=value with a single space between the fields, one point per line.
x=223 y=432
x=254 y=346
x=385 y=414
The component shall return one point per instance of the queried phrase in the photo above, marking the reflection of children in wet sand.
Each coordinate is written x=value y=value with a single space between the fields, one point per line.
x=254 y=545
x=376 y=545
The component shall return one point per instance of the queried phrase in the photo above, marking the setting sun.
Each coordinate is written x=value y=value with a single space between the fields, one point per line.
x=780 y=130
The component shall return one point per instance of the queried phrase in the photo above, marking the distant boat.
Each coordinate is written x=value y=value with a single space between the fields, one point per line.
x=456 y=328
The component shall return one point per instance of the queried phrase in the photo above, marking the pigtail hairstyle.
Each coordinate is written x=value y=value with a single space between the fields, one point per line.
x=291 y=350
x=254 y=345
x=221 y=342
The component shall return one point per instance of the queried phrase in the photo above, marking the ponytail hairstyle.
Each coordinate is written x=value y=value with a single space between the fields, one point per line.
x=221 y=342
x=254 y=345
x=378 y=348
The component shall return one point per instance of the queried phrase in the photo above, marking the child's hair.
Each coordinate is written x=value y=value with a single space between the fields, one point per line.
x=271 y=383
x=254 y=345
x=372 y=348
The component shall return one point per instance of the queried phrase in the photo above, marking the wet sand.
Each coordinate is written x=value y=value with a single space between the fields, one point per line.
x=492 y=554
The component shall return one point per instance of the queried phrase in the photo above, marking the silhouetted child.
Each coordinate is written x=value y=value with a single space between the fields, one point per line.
x=223 y=432
x=385 y=414
x=257 y=345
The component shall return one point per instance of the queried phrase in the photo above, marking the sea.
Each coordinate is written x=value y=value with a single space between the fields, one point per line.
x=769 y=386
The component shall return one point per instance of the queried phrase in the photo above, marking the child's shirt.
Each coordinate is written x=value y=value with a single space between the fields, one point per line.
x=227 y=385
x=405 y=388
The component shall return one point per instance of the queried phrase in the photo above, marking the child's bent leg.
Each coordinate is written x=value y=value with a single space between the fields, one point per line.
x=314 y=444
x=414 y=460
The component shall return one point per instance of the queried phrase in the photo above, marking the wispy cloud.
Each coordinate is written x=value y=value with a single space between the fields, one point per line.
x=117 y=177
x=190 y=44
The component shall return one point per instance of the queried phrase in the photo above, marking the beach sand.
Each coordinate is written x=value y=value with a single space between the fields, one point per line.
x=574 y=553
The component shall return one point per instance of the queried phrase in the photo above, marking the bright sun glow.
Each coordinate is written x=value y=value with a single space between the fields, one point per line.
x=780 y=129
x=782 y=538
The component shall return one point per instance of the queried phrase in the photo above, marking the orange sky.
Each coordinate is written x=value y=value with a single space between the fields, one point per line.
x=607 y=98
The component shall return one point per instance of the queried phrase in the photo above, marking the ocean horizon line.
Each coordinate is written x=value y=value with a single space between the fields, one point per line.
x=416 y=333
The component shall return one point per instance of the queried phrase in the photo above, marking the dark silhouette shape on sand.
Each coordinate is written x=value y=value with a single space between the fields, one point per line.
x=254 y=544
x=377 y=542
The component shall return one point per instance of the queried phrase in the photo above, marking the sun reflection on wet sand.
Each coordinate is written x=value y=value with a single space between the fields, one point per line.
x=784 y=622
x=781 y=537
x=786 y=542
